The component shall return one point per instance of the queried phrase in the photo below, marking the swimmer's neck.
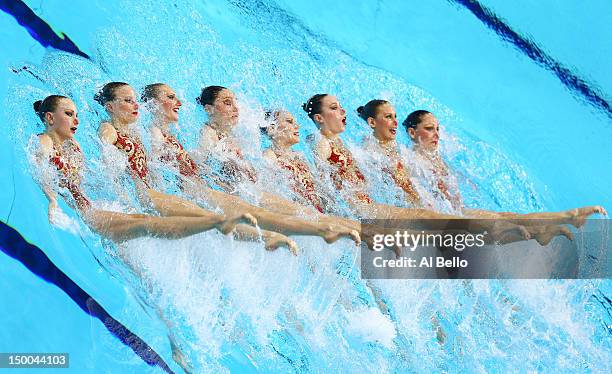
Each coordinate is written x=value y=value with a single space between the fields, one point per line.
x=430 y=154
x=385 y=144
x=120 y=126
x=330 y=135
x=56 y=138
x=281 y=149
x=224 y=129
x=162 y=124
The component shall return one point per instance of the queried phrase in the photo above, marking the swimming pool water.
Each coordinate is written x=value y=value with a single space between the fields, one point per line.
x=522 y=139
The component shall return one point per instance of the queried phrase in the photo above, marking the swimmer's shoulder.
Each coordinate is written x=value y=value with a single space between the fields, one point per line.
x=107 y=133
x=208 y=137
x=45 y=144
x=76 y=142
x=322 y=148
x=269 y=155
x=157 y=135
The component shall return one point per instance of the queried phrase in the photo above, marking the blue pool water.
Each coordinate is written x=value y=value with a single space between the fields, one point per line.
x=522 y=138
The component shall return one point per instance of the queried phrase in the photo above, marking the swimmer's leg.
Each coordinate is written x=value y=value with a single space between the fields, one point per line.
x=575 y=217
x=170 y=205
x=121 y=227
x=284 y=224
x=438 y=221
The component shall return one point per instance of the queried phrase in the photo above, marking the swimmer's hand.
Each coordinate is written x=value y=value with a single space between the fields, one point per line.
x=61 y=220
x=54 y=212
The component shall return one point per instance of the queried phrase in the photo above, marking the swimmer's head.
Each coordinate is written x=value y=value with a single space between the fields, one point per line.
x=221 y=105
x=162 y=101
x=59 y=114
x=282 y=128
x=119 y=100
x=151 y=91
x=381 y=117
x=423 y=128
x=313 y=106
x=327 y=113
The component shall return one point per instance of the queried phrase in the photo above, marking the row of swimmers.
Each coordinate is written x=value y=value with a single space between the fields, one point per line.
x=205 y=189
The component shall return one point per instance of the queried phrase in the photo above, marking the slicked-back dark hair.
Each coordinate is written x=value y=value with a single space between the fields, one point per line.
x=107 y=93
x=370 y=109
x=48 y=104
x=414 y=119
x=314 y=105
x=151 y=91
x=209 y=95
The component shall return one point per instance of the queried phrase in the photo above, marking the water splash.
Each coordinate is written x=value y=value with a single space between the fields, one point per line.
x=232 y=304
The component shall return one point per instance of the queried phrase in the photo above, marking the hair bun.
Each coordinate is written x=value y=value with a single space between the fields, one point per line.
x=360 y=110
x=305 y=107
x=270 y=115
x=37 y=105
x=98 y=98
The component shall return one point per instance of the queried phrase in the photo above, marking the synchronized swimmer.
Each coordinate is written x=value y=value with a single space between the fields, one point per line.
x=60 y=151
x=307 y=214
x=217 y=174
x=423 y=129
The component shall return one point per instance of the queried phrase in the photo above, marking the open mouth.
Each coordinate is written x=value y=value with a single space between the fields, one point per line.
x=73 y=129
x=175 y=110
x=344 y=121
x=393 y=131
x=135 y=113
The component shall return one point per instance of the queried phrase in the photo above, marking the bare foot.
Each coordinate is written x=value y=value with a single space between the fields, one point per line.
x=229 y=224
x=333 y=233
x=273 y=241
x=578 y=216
x=369 y=240
x=506 y=232
x=544 y=234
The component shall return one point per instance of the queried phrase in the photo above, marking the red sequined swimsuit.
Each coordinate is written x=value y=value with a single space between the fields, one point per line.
x=347 y=170
x=176 y=153
x=400 y=176
x=70 y=177
x=233 y=169
x=303 y=182
x=442 y=172
x=137 y=159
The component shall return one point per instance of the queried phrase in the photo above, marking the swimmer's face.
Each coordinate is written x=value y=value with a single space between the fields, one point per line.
x=64 y=121
x=124 y=107
x=225 y=108
x=286 y=131
x=167 y=104
x=427 y=132
x=332 y=118
x=384 y=123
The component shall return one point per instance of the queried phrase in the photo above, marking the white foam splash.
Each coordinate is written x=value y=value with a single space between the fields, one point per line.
x=371 y=326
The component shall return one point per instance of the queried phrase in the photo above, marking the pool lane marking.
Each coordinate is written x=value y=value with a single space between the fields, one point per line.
x=33 y=258
x=535 y=53
x=38 y=28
